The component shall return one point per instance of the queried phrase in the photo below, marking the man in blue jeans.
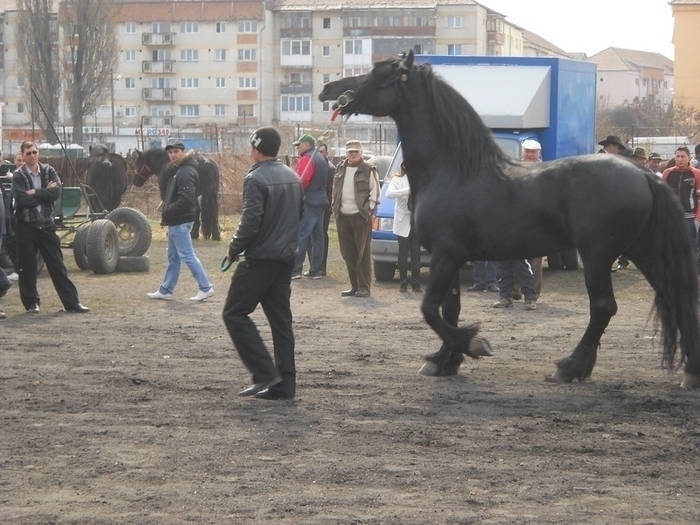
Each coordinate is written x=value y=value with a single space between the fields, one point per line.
x=312 y=169
x=179 y=209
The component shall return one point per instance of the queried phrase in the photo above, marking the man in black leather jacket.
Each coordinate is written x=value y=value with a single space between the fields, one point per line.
x=268 y=233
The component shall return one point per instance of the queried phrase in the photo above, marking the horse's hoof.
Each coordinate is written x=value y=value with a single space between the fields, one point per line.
x=557 y=377
x=480 y=347
x=691 y=381
x=429 y=369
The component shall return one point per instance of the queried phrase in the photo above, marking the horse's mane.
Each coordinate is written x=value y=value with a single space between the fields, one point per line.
x=460 y=131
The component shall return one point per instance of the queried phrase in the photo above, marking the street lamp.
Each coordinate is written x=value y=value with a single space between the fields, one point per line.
x=118 y=78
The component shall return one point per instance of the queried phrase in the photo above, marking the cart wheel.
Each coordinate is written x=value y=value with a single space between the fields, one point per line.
x=136 y=263
x=134 y=230
x=103 y=246
x=80 y=246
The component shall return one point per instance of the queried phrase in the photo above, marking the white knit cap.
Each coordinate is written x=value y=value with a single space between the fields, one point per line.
x=532 y=144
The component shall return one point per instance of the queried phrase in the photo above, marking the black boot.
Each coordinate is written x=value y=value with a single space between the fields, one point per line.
x=415 y=284
x=404 y=286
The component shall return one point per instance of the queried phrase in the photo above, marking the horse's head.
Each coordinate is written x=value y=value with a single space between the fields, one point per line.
x=376 y=93
x=143 y=170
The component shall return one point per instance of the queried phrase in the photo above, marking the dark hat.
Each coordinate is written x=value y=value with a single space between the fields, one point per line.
x=305 y=138
x=612 y=139
x=654 y=156
x=175 y=145
x=640 y=153
x=266 y=140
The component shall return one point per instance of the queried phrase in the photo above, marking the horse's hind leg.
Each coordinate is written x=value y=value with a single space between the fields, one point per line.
x=443 y=293
x=579 y=364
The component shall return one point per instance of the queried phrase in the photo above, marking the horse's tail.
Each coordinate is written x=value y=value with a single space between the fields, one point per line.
x=674 y=276
x=209 y=187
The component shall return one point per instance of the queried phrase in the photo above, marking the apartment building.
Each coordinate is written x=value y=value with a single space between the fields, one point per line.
x=686 y=14
x=210 y=66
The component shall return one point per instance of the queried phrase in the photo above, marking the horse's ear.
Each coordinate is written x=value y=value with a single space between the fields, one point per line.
x=405 y=65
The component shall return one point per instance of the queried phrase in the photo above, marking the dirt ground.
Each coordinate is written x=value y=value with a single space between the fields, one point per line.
x=130 y=414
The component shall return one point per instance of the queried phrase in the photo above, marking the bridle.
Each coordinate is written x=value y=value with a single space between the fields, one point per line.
x=140 y=172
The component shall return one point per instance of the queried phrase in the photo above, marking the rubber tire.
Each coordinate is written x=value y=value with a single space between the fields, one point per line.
x=80 y=246
x=569 y=259
x=136 y=263
x=384 y=272
x=133 y=229
x=103 y=246
x=554 y=261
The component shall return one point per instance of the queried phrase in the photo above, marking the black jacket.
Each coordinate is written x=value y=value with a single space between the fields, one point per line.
x=273 y=205
x=180 y=202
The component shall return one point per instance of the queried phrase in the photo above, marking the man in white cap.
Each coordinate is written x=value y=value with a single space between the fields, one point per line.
x=521 y=269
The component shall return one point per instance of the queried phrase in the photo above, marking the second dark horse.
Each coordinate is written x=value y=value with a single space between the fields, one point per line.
x=155 y=160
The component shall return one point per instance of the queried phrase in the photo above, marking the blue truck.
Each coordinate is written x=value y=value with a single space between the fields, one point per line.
x=551 y=100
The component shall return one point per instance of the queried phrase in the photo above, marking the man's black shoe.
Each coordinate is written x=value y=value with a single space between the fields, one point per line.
x=270 y=395
x=78 y=309
x=259 y=387
x=362 y=292
x=33 y=308
x=348 y=293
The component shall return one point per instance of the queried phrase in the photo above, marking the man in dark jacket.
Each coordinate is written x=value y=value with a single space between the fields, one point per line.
x=35 y=189
x=179 y=209
x=268 y=233
x=312 y=169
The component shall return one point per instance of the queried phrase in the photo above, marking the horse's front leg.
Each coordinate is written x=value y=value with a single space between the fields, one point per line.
x=443 y=293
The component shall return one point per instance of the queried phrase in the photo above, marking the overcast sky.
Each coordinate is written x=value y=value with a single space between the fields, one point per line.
x=594 y=25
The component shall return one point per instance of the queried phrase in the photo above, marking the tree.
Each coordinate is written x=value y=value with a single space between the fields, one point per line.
x=90 y=58
x=36 y=44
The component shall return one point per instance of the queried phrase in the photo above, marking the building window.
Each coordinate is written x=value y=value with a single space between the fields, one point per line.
x=20 y=81
x=130 y=56
x=130 y=28
x=220 y=82
x=129 y=83
x=220 y=55
x=160 y=83
x=418 y=49
x=129 y=111
x=391 y=21
x=353 y=47
x=220 y=110
x=454 y=22
x=326 y=51
x=419 y=21
x=300 y=78
x=326 y=78
x=296 y=47
x=247 y=26
x=189 y=83
x=20 y=107
x=245 y=110
x=191 y=110
x=354 y=71
x=355 y=21
x=326 y=23
x=189 y=27
x=247 y=54
x=296 y=103
x=636 y=81
x=248 y=82
x=454 y=49
x=327 y=106
x=221 y=27
x=189 y=55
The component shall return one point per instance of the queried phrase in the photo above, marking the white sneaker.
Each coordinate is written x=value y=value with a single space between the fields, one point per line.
x=13 y=276
x=161 y=296
x=203 y=295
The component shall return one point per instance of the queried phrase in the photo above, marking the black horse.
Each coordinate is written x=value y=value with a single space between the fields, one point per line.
x=106 y=177
x=155 y=160
x=473 y=203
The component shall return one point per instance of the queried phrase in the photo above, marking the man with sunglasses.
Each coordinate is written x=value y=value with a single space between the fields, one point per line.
x=36 y=188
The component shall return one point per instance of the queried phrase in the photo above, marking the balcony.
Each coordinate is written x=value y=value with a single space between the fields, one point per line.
x=157 y=121
x=158 y=39
x=158 y=66
x=495 y=37
x=157 y=94
x=296 y=87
